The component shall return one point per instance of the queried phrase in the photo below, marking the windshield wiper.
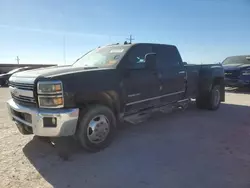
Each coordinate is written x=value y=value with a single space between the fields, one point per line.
x=81 y=57
x=77 y=60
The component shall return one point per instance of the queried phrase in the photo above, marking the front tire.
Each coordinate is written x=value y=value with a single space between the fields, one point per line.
x=96 y=128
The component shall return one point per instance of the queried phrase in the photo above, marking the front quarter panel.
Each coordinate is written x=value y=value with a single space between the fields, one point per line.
x=82 y=87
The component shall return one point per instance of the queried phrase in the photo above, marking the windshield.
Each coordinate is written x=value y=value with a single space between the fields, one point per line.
x=13 y=71
x=237 y=60
x=102 y=57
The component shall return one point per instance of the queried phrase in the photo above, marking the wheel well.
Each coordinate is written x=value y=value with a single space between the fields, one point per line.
x=109 y=99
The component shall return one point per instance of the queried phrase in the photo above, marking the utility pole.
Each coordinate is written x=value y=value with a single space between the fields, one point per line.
x=130 y=39
x=17 y=59
x=64 y=51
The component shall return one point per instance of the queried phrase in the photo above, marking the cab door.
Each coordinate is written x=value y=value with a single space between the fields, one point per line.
x=172 y=73
x=142 y=86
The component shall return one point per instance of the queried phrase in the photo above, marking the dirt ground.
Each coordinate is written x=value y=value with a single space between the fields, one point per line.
x=194 y=148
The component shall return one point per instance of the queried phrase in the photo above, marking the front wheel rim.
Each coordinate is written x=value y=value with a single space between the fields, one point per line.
x=98 y=129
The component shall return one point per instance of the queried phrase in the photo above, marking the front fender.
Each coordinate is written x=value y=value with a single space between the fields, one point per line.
x=108 y=98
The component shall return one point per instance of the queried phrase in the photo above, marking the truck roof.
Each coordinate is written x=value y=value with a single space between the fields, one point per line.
x=133 y=44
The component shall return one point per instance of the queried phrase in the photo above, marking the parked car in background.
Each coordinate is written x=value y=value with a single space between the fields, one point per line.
x=4 y=78
x=237 y=71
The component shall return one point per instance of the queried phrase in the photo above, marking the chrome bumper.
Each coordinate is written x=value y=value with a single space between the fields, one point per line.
x=66 y=119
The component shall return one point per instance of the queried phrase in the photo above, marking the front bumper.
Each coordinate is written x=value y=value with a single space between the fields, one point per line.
x=34 y=118
x=236 y=82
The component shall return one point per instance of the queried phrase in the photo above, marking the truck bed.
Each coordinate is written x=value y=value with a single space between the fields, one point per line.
x=200 y=75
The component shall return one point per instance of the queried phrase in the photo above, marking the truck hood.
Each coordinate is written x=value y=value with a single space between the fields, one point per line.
x=235 y=66
x=29 y=76
x=2 y=75
x=5 y=76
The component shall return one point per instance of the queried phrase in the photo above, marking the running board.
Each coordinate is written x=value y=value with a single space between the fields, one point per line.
x=145 y=114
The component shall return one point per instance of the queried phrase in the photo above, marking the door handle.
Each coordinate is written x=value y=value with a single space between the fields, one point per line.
x=182 y=72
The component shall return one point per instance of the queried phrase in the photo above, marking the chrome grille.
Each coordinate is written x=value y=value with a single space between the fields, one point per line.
x=22 y=93
x=22 y=86
x=24 y=99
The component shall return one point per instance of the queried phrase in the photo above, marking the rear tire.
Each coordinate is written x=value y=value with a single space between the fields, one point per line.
x=96 y=128
x=211 y=100
x=214 y=99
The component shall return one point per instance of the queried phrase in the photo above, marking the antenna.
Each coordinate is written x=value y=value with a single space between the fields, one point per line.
x=64 y=52
x=130 y=39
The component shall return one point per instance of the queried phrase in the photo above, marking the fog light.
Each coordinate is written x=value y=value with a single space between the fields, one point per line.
x=54 y=120
x=49 y=122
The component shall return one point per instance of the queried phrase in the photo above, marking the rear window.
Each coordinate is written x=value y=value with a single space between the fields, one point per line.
x=237 y=60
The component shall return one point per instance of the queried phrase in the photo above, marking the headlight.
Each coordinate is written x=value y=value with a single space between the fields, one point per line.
x=50 y=101
x=246 y=72
x=49 y=87
x=50 y=94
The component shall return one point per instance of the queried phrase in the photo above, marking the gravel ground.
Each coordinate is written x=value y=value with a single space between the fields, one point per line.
x=196 y=149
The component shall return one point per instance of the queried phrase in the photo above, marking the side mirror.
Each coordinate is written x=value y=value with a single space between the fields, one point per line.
x=184 y=63
x=150 y=61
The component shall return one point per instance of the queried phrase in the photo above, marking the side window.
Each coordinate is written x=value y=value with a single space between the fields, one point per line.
x=137 y=54
x=167 y=56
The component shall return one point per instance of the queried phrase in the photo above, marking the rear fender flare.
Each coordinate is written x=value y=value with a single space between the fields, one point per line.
x=208 y=78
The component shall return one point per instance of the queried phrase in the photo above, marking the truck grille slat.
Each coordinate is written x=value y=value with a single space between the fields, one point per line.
x=21 y=99
x=22 y=86
x=24 y=99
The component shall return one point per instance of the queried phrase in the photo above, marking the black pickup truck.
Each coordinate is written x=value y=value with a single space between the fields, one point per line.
x=108 y=85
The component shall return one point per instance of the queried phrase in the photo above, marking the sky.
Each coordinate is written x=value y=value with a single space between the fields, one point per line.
x=60 y=31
